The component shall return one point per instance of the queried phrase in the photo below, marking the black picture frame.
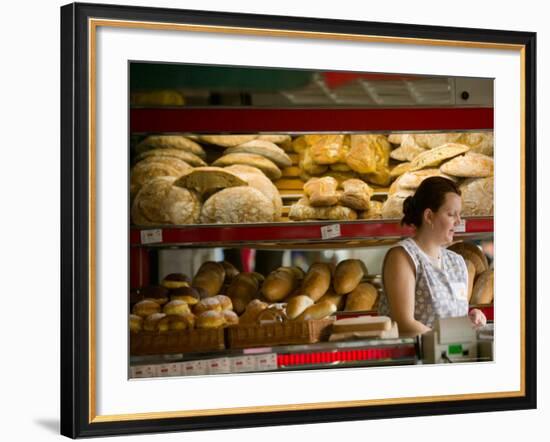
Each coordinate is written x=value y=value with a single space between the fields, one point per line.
x=77 y=418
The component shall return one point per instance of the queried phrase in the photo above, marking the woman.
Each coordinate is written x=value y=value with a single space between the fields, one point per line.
x=423 y=280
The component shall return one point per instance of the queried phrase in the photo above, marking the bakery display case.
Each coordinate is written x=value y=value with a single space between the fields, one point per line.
x=311 y=194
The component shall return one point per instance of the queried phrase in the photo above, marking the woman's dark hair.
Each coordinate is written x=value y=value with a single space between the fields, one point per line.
x=429 y=195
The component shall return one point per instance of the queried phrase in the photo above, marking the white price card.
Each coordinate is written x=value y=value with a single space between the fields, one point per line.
x=241 y=364
x=143 y=371
x=266 y=362
x=191 y=368
x=461 y=227
x=151 y=236
x=164 y=370
x=330 y=231
x=218 y=366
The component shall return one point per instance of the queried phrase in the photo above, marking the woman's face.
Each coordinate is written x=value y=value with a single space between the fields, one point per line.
x=444 y=221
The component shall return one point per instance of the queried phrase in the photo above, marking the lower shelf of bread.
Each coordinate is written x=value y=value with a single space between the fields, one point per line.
x=358 y=353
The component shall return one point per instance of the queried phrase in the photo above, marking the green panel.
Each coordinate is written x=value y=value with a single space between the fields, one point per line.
x=145 y=76
x=455 y=349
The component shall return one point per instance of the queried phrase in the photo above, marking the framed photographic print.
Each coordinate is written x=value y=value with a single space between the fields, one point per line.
x=232 y=185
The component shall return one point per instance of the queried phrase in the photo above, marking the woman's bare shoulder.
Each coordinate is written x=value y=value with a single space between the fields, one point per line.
x=397 y=257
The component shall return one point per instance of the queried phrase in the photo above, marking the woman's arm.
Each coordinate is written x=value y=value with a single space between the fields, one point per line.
x=399 y=284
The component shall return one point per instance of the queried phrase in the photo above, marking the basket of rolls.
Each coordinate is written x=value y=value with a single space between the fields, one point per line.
x=183 y=315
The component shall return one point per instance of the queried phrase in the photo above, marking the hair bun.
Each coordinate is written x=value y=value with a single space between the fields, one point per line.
x=408 y=205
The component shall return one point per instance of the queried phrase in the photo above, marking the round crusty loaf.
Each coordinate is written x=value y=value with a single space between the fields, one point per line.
x=483 y=292
x=393 y=206
x=264 y=148
x=237 y=205
x=249 y=159
x=188 y=157
x=477 y=196
x=210 y=277
x=362 y=298
x=470 y=165
x=348 y=275
x=317 y=280
x=208 y=180
x=297 y=305
x=471 y=252
x=226 y=140
x=159 y=202
x=257 y=179
x=152 y=167
x=279 y=284
x=170 y=142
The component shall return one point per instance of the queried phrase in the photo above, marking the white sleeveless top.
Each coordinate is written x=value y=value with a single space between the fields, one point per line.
x=439 y=292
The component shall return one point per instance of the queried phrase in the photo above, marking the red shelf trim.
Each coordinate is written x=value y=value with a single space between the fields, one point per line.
x=308 y=120
x=289 y=232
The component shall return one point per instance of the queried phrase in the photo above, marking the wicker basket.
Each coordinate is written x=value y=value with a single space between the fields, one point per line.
x=280 y=333
x=152 y=343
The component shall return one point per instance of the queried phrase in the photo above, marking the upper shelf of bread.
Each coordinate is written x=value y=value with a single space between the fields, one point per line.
x=283 y=234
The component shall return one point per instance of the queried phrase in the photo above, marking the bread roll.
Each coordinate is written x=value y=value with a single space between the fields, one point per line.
x=242 y=290
x=337 y=300
x=225 y=302
x=297 y=305
x=188 y=157
x=302 y=210
x=208 y=180
x=320 y=310
x=266 y=166
x=175 y=280
x=238 y=205
x=230 y=317
x=362 y=298
x=189 y=295
x=471 y=276
x=348 y=275
x=210 y=277
x=211 y=303
x=136 y=323
x=252 y=311
x=264 y=148
x=317 y=280
x=321 y=191
x=257 y=179
x=145 y=308
x=356 y=194
x=151 y=322
x=210 y=319
x=471 y=165
x=436 y=156
x=483 y=291
x=176 y=307
x=170 y=142
x=155 y=293
x=279 y=284
x=172 y=322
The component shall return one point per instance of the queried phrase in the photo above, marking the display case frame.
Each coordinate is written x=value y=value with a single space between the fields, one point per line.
x=79 y=389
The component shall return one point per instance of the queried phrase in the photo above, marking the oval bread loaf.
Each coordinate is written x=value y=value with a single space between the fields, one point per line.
x=348 y=275
x=279 y=284
x=242 y=290
x=210 y=277
x=317 y=280
x=317 y=311
x=362 y=298
x=483 y=292
x=297 y=305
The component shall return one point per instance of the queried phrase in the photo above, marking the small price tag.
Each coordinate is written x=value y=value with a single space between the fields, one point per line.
x=218 y=366
x=164 y=370
x=461 y=228
x=266 y=362
x=330 y=231
x=151 y=236
x=143 y=371
x=243 y=364
x=191 y=368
